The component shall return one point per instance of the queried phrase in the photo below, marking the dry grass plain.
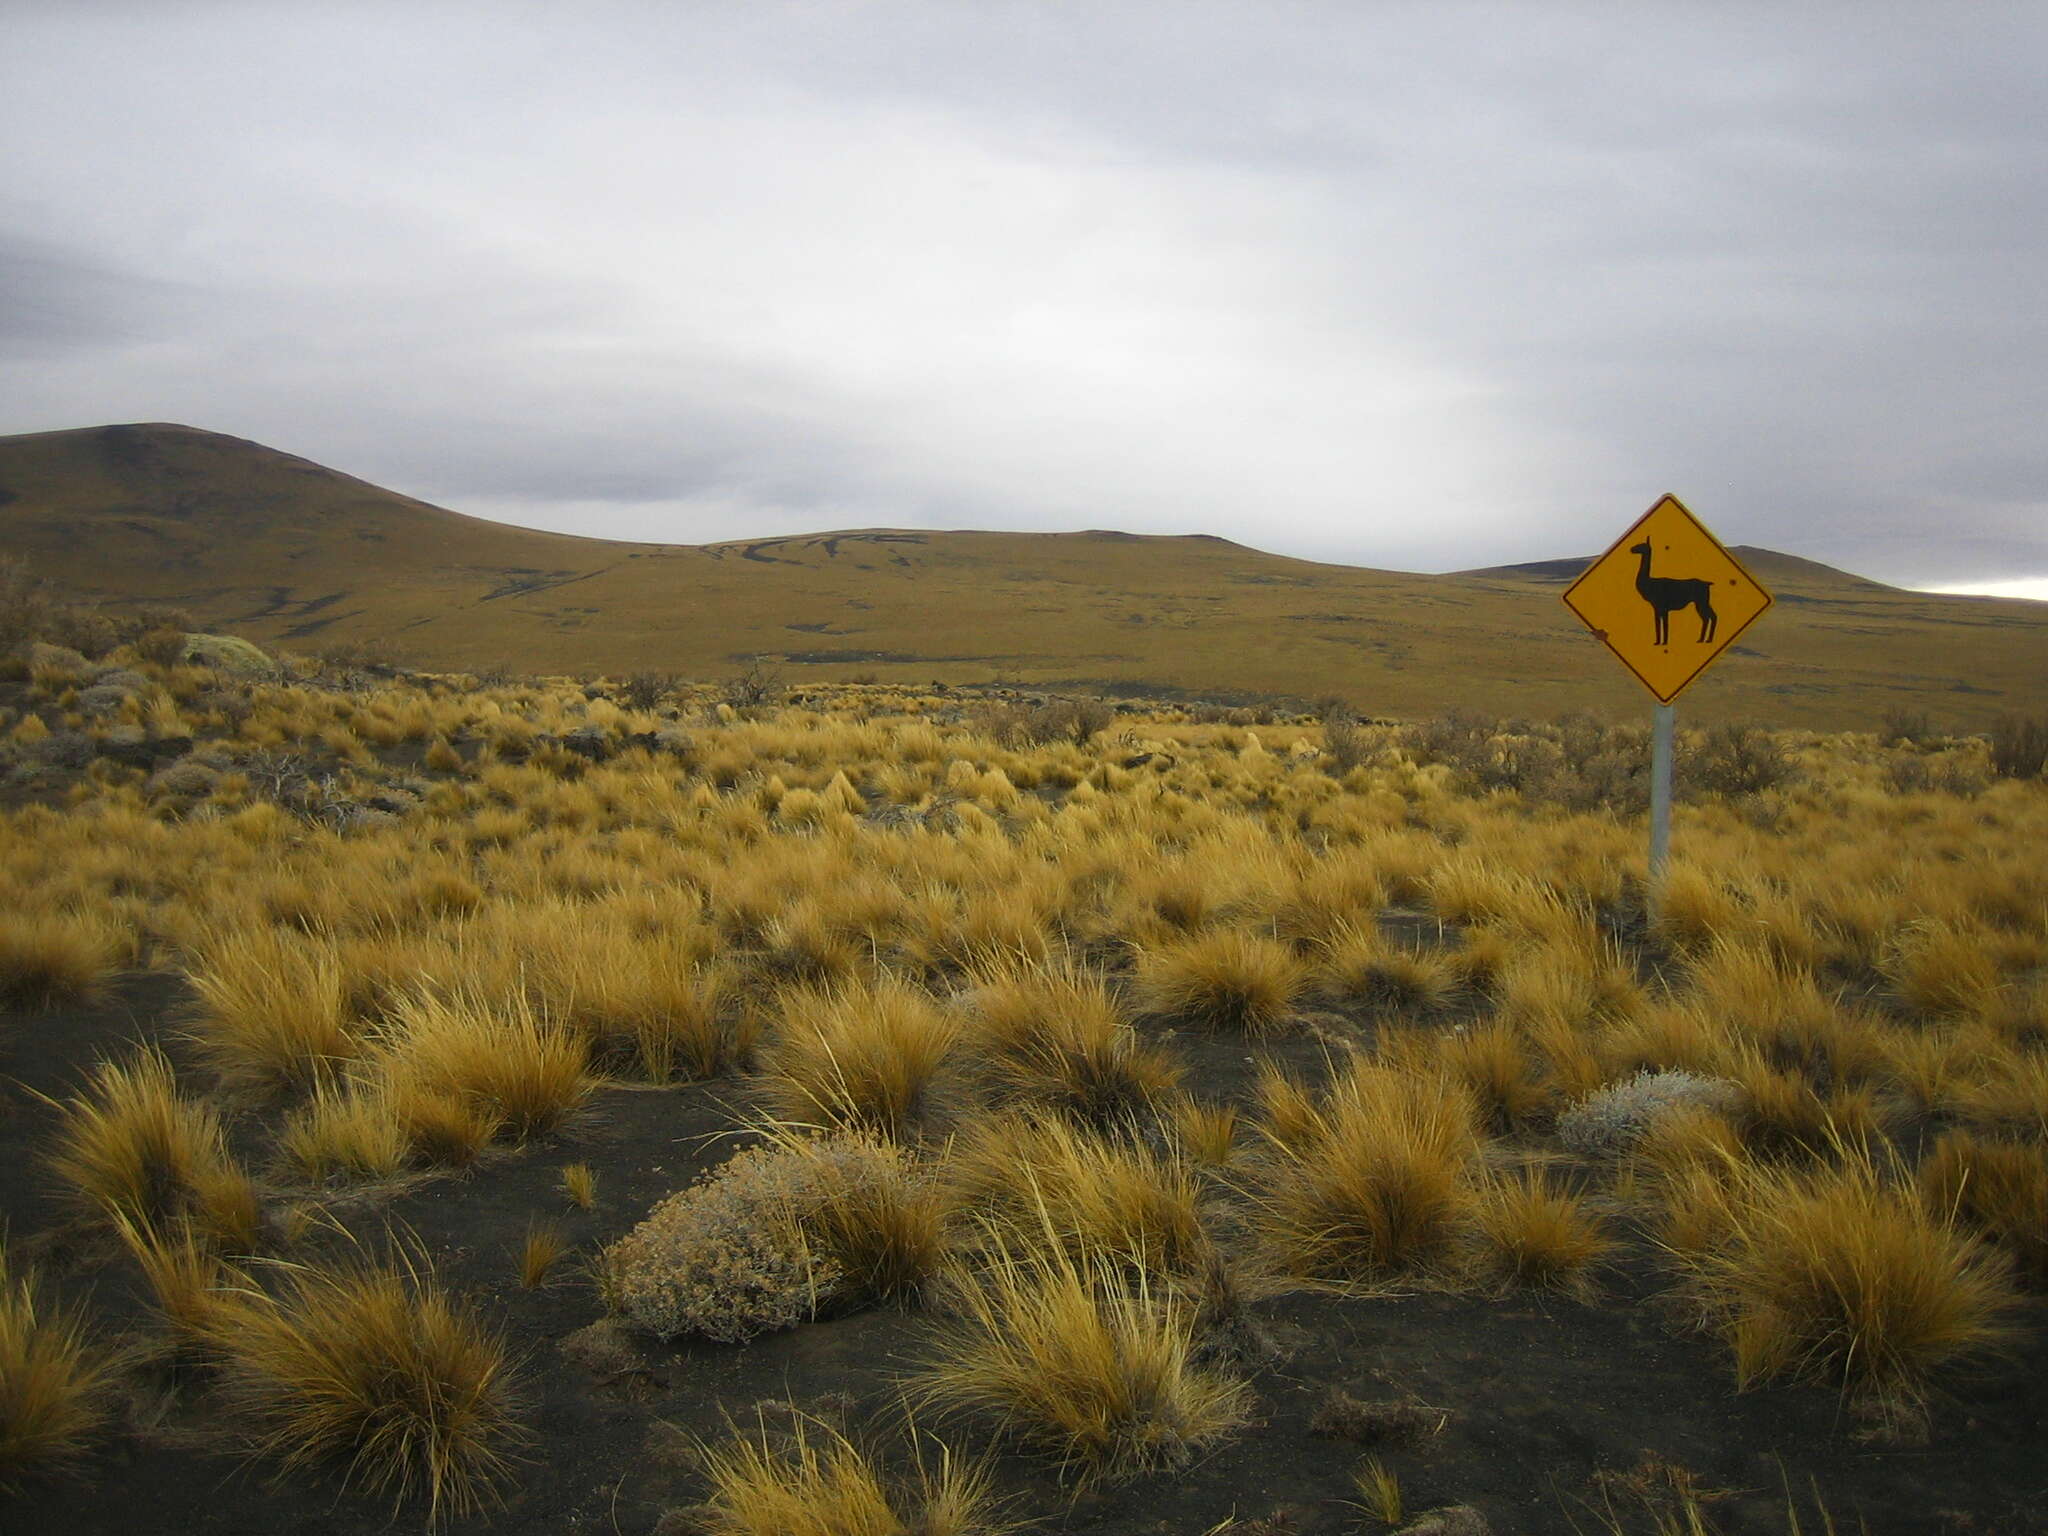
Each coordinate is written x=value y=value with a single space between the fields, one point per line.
x=278 y=549
x=549 y=1106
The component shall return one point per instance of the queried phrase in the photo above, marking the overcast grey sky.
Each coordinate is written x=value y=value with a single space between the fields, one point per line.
x=1422 y=285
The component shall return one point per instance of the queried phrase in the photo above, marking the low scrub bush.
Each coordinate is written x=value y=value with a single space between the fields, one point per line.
x=643 y=691
x=774 y=1235
x=1078 y=721
x=1733 y=760
x=1613 y=1120
x=1908 y=728
x=1347 y=744
x=25 y=606
x=373 y=1367
x=2019 y=746
x=1947 y=773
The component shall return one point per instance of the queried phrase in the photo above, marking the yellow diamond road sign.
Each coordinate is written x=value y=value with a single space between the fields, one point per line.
x=1667 y=598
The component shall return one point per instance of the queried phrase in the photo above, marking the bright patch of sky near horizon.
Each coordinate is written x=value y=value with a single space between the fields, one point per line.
x=1424 y=287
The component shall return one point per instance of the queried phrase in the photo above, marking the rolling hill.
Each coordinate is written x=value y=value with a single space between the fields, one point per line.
x=284 y=551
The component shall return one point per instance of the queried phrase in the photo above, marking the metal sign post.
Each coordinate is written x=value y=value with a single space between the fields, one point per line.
x=1667 y=572
x=1660 y=802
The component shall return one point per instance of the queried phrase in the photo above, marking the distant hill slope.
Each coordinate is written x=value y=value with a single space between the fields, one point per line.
x=1776 y=571
x=263 y=544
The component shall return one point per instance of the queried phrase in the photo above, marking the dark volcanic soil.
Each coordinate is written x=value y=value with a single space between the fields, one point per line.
x=1542 y=1395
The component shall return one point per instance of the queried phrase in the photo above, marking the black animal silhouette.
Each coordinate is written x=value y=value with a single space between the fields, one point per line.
x=1667 y=594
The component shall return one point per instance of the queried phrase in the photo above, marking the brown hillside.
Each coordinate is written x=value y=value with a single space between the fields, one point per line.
x=274 y=547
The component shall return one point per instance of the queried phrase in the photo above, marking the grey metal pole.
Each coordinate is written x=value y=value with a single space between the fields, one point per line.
x=1660 y=802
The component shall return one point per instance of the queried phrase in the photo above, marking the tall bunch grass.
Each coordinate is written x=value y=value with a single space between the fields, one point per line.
x=1084 y=1362
x=868 y=1054
x=1996 y=1188
x=1374 y=1179
x=1053 y=1035
x=1359 y=968
x=1530 y=1231
x=372 y=1367
x=814 y=1480
x=1222 y=980
x=48 y=959
x=499 y=1055
x=53 y=1383
x=132 y=1147
x=1836 y=1274
x=273 y=1009
x=1034 y=1182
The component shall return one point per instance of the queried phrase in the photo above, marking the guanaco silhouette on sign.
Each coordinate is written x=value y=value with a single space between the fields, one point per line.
x=1667 y=594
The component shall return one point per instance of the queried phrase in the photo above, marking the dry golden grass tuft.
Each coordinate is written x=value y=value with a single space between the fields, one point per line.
x=1944 y=970
x=1053 y=1035
x=579 y=1185
x=871 y=1210
x=132 y=1148
x=867 y=1054
x=497 y=1055
x=49 y=959
x=1379 y=1490
x=53 y=1384
x=811 y=1479
x=1339 y=893
x=1360 y=968
x=1375 y=1179
x=1835 y=1274
x=1494 y=1063
x=1037 y=1181
x=1223 y=980
x=444 y=1127
x=188 y=1278
x=343 y=1133
x=371 y=1366
x=1696 y=908
x=1083 y=1362
x=546 y=1245
x=1205 y=1134
x=1996 y=1188
x=272 y=1010
x=1528 y=1231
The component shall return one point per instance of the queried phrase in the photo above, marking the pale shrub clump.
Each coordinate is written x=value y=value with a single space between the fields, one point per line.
x=1612 y=1120
x=774 y=1235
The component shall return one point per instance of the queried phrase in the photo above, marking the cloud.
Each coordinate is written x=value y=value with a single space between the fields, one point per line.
x=1429 y=287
